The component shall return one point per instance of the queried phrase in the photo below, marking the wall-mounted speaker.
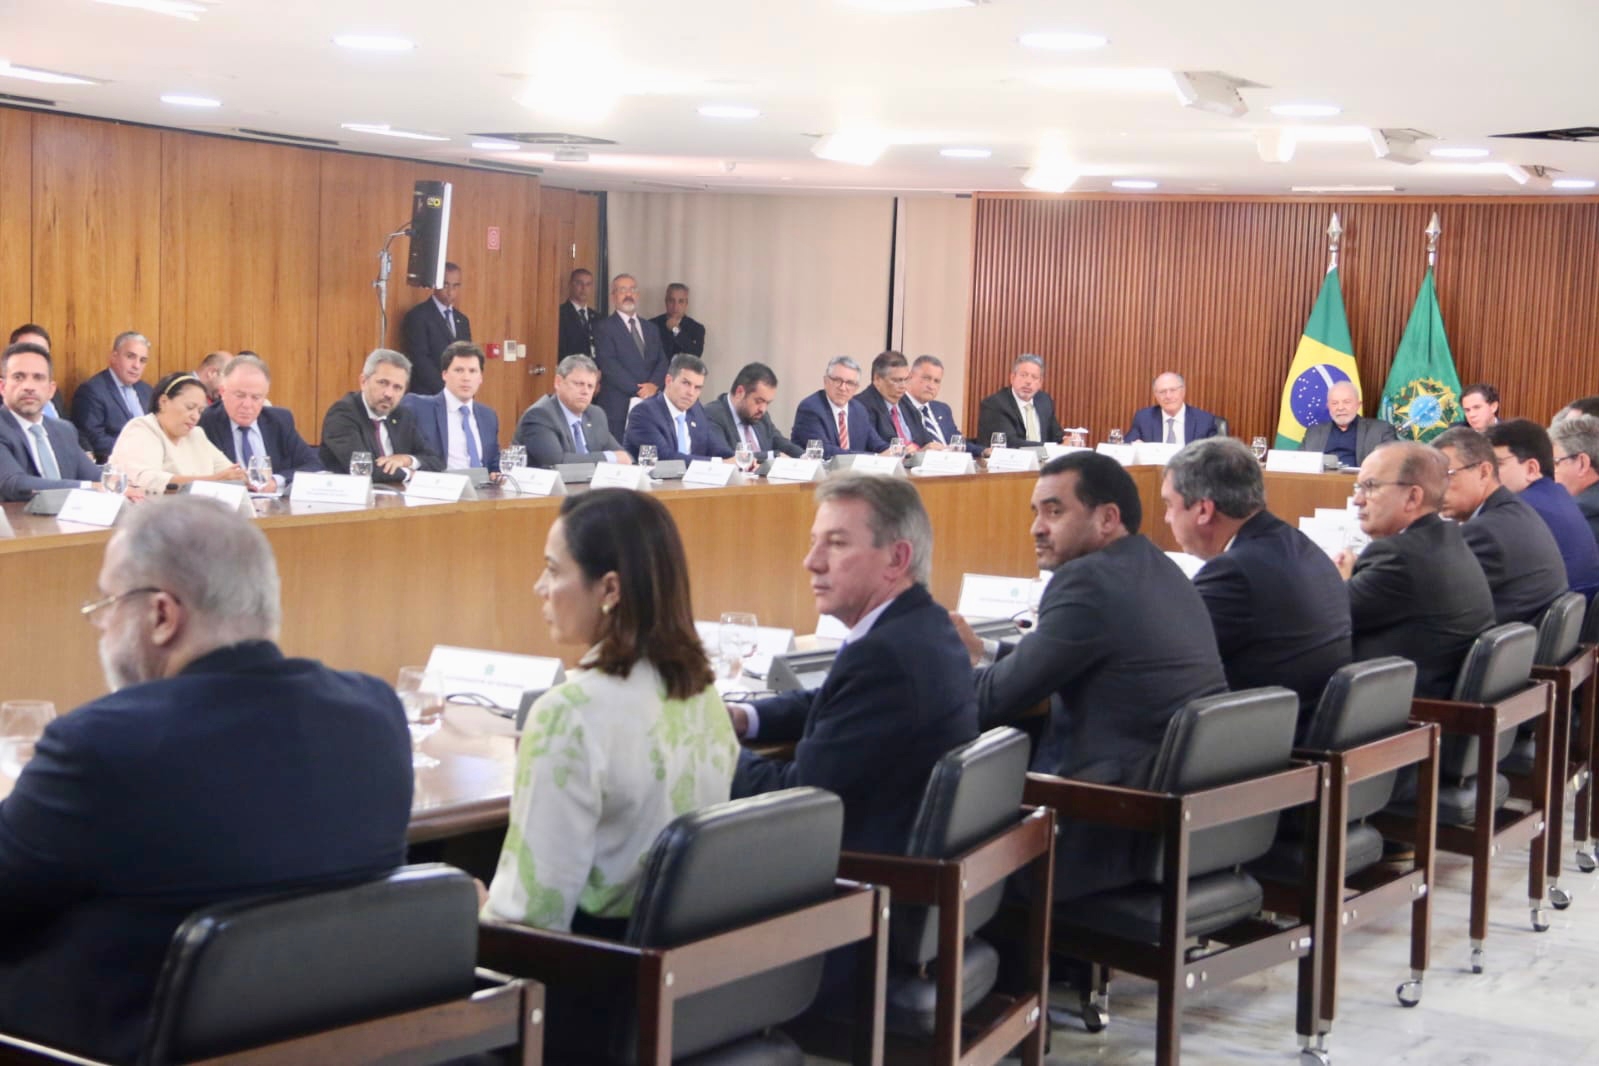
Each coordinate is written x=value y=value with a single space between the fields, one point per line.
x=430 y=234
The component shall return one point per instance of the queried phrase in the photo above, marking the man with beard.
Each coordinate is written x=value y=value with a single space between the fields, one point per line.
x=371 y=420
x=629 y=353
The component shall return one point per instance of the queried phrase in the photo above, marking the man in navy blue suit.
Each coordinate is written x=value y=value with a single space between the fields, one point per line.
x=216 y=769
x=674 y=421
x=932 y=421
x=833 y=416
x=629 y=353
x=1171 y=420
x=104 y=404
x=243 y=426
x=36 y=452
x=465 y=432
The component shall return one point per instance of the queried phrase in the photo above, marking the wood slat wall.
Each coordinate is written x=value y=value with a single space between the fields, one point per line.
x=209 y=242
x=1113 y=291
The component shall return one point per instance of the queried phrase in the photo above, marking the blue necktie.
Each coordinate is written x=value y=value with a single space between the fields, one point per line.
x=579 y=444
x=472 y=456
x=246 y=453
x=48 y=467
x=682 y=434
x=130 y=400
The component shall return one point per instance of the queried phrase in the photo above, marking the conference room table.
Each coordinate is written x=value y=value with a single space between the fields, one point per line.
x=375 y=588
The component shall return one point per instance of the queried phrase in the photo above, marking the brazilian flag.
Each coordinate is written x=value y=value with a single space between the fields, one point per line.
x=1325 y=356
x=1422 y=397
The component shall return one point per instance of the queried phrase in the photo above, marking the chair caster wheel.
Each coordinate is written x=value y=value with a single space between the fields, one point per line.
x=1409 y=993
x=1540 y=920
x=1091 y=1018
x=1094 y=1019
x=1559 y=898
x=1586 y=862
x=1477 y=960
x=1313 y=1056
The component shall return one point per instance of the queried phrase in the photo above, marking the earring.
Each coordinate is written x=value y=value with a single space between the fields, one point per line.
x=605 y=608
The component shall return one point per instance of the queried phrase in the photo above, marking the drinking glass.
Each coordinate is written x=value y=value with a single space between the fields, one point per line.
x=421 y=693
x=1258 y=446
x=1115 y=436
x=1077 y=439
x=813 y=449
x=896 y=447
x=21 y=723
x=360 y=464
x=114 y=478
x=647 y=458
x=997 y=441
x=736 y=640
x=956 y=442
x=744 y=457
x=512 y=457
x=258 y=475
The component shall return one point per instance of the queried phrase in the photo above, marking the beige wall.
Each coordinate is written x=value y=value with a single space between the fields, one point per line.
x=933 y=283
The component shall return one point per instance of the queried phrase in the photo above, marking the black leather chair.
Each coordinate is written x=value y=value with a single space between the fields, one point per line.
x=379 y=971
x=737 y=904
x=1223 y=774
x=1361 y=729
x=1494 y=695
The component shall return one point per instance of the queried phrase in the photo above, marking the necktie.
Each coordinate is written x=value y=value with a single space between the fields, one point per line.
x=638 y=337
x=449 y=317
x=932 y=424
x=843 y=431
x=682 y=433
x=579 y=445
x=749 y=437
x=899 y=427
x=130 y=400
x=472 y=456
x=1171 y=432
x=1030 y=422
x=48 y=467
x=246 y=453
x=377 y=431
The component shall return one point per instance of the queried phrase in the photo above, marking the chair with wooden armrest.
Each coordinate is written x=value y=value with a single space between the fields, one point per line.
x=970 y=834
x=1361 y=729
x=384 y=970
x=1222 y=776
x=1493 y=696
x=737 y=905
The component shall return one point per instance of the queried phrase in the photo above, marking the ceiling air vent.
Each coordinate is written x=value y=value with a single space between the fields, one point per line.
x=287 y=138
x=508 y=167
x=1589 y=134
x=26 y=101
x=544 y=138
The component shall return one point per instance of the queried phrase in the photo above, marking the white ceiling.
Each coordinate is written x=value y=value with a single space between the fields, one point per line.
x=1457 y=69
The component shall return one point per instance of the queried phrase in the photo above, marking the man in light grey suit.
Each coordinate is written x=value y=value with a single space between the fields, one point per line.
x=566 y=426
x=1348 y=435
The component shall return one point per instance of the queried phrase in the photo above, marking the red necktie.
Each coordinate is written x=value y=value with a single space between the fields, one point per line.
x=843 y=431
x=377 y=431
x=899 y=427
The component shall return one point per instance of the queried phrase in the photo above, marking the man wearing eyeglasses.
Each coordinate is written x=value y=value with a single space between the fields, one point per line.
x=215 y=769
x=1417 y=590
x=834 y=416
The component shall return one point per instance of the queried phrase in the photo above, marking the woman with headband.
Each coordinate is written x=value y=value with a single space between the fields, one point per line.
x=166 y=448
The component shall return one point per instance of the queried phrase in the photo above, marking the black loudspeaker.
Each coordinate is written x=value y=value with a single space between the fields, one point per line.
x=430 y=234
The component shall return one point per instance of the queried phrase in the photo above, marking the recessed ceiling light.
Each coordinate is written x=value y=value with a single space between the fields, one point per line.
x=1049 y=179
x=1344 y=188
x=965 y=153
x=1304 y=110
x=1063 y=42
x=1460 y=153
x=858 y=147
x=48 y=77
x=365 y=42
x=182 y=9
x=729 y=111
x=185 y=100
x=1573 y=183
x=1135 y=183
x=385 y=130
x=496 y=146
x=905 y=7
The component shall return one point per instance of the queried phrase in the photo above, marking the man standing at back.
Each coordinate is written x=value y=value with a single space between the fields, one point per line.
x=106 y=402
x=628 y=351
x=680 y=334
x=432 y=326
x=576 y=335
x=215 y=769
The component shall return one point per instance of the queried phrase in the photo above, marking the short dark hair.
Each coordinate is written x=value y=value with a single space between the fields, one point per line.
x=751 y=375
x=577 y=273
x=633 y=535
x=1100 y=480
x=886 y=361
x=31 y=327
x=683 y=361
x=25 y=348
x=449 y=266
x=677 y=286
x=212 y=359
x=1526 y=439
x=460 y=350
x=1483 y=389
x=1472 y=447
x=169 y=387
x=1587 y=405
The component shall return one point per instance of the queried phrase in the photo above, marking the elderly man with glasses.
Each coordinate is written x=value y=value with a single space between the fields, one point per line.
x=834 y=416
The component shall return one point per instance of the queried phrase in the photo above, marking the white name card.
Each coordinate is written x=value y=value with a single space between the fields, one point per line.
x=880 y=465
x=433 y=485
x=991 y=596
x=1283 y=461
x=945 y=463
x=499 y=677
x=536 y=481
x=233 y=495
x=90 y=508
x=769 y=640
x=617 y=476
x=1055 y=451
x=5 y=526
x=712 y=475
x=344 y=490
x=1122 y=453
x=1189 y=564
x=1153 y=453
x=1012 y=460
x=787 y=468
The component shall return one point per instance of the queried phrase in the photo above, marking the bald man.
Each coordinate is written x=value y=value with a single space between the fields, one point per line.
x=1346 y=433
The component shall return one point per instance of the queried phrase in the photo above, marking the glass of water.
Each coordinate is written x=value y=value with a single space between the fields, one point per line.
x=956 y=442
x=996 y=441
x=512 y=457
x=647 y=458
x=258 y=475
x=1076 y=439
x=813 y=449
x=744 y=457
x=1115 y=436
x=896 y=447
x=114 y=478
x=22 y=722
x=421 y=693
x=1258 y=446
x=736 y=640
x=360 y=464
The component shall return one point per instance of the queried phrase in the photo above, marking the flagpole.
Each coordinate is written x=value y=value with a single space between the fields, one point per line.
x=1335 y=233
x=1433 y=231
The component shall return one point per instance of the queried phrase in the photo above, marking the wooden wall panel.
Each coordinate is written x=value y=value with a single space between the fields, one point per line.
x=96 y=238
x=16 y=219
x=557 y=231
x=1111 y=292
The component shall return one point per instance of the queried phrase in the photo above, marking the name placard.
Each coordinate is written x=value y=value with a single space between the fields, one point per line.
x=434 y=485
x=507 y=681
x=992 y=596
x=536 y=481
x=617 y=476
x=5 y=527
x=342 y=490
x=90 y=508
x=787 y=468
x=1284 y=461
x=1012 y=460
x=1055 y=451
x=712 y=475
x=1153 y=453
x=1122 y=453
x=233 y=495
x=879 y=465
x=946 y=463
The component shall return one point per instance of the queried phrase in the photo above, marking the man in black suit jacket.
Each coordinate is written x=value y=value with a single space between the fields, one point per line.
x=899 y=695
x=884 y=400
x=215 y=770
x=1346 y=433
x=576 y=335
x=1122 y=643
x=629 y=353
x=243 y=423
x=27 y=463
x=740 y=414
x=1517 y=552
x=432 y=326
x=680 y=334
x=1417 y=590
x=372 y=420
x=1023 y=412
x=1276 y=601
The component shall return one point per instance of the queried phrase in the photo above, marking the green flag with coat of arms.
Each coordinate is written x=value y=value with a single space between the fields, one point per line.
x=1422 y=396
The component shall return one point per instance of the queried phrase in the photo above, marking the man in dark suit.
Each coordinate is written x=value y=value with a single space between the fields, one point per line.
x=462 y=432
x=884 y=399
x=104 y=404
x=833 y=416
x=680 y=334
x=740 y=414
x=628 y=351
x=1023 y=412
x=1518 y=554
x=674 y=421
x=566 y=426
x=899 y=695
x=576 y=336
x=1417 y=591
x=36 y=452
x=932 y=421
x=1171 y=420
x=429 y=328
x=371 y=420
x=215 y=770
x=1122 y=643
x=1346 y=434
x=1276 y=601
x=243 y=426
x=1575 y=456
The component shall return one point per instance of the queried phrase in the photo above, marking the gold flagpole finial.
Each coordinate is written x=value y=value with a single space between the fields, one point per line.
x=1335 y=233
x=1433 y=231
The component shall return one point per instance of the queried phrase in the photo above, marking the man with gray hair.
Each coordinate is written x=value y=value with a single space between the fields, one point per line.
x=1576 y=452
x=216 y=769
x=834 y=416
x=371 y=420
x=899 y=695
x=107 y=401
x=1346 y=434
x=1023 y=412
x=244 y=425
x=1276 y=602
x=1170 y=420
x=567 y=426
